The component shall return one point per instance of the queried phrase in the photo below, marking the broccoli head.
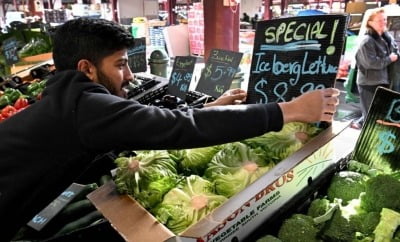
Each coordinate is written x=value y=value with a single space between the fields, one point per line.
x=338 y=229
x=346 y=185
x=365 y=223
x=318 y=207
x=269 y=238
x=298 y=228
x=381 y=191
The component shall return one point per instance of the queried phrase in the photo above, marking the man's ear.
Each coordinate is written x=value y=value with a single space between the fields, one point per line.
x=88 y=68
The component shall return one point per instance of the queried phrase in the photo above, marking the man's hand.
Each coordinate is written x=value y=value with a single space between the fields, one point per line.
x=233 y=96
x=343 y=69
x=314 y=106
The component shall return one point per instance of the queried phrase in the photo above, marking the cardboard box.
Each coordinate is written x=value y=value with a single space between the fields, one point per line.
x=245 y=211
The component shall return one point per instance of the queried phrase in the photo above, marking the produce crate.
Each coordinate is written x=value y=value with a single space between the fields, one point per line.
x=376 y=145
x=153 y=88
x=244 y=212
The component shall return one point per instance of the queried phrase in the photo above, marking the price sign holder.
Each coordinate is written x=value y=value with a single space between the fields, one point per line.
x=181 y=76
x=137 y=56
x=219 y=71
x=40 y=220
x=295 y=55
x=10 y=50
x=379 y=142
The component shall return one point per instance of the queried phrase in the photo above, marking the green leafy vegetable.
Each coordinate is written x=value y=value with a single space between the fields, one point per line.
x=147 y=176
x=186 y=204
x=194 y=161
x=280 y=145
x=235 y=167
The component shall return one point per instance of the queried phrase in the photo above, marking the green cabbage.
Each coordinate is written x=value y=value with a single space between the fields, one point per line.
x=235 y=167
x=282 y=144
x=146 y=176
x=194 y=161
x=186 y=204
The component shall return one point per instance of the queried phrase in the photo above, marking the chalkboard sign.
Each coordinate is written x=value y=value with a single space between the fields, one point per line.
x=181 y=76
x=137 y=56
x=39 y=221
x=295 y=55
x=10 y=51
x=219 y=71
x=379 y=142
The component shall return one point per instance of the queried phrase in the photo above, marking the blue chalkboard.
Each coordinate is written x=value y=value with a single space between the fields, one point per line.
x=137 y=56
x=10 y=52
x=181 y=76
x=219 y=71
x=295 y=55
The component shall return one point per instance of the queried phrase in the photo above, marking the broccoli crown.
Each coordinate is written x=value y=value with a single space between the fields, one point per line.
x=298 y=228
x=381 y=191
x=346 y=185
x=365 y=223
x=338 y=229
x=269 y=238
x=318 y=207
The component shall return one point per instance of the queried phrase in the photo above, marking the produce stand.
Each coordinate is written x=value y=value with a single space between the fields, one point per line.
x=244 y=212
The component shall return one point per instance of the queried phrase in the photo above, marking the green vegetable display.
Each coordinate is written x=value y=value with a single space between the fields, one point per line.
x=346 y=185
x=194 y=161
x=280 y=145
x=186 y=204
x=363 y=205
x=381 y=191
x=236 y=166
x=147 y=176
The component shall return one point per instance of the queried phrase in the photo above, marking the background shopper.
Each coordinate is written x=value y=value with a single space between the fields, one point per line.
x=376 y=52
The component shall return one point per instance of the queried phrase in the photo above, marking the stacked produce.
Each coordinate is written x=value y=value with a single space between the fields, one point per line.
x=360 y=204
x=180 y=187
x=13 y=100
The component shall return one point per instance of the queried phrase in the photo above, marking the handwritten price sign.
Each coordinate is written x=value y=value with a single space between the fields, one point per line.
x=137 y=56
x=219 y=72
x=10 y=51
x=181 y=76
x=378 y=144
x=295 y=55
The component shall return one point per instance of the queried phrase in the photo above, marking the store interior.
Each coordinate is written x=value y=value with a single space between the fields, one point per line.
x=165 y=31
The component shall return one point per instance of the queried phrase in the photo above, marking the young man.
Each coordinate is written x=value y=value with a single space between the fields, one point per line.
x=83 y=113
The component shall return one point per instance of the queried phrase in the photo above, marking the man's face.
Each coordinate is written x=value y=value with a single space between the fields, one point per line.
x=114 y=73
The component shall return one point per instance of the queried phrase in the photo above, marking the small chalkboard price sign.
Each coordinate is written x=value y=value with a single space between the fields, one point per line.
x=379 y=144
x=137 y=56
x=295 y=55
x=10 y=51
x=39 y=221
x=181 y=76
x=219 y=71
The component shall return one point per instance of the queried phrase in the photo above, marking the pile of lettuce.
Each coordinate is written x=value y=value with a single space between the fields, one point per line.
x=179 y=187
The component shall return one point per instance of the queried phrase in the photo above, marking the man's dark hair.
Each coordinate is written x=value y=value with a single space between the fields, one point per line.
x=85 y=38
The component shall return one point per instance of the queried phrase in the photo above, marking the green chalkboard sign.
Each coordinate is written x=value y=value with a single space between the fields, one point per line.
x=219 y=71
x=295 y=55
x=10 y=50
x=379 y=142
x=181 y=76
x=137 y=56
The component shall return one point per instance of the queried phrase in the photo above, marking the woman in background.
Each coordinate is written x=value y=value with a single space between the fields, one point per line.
x=376 y=52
